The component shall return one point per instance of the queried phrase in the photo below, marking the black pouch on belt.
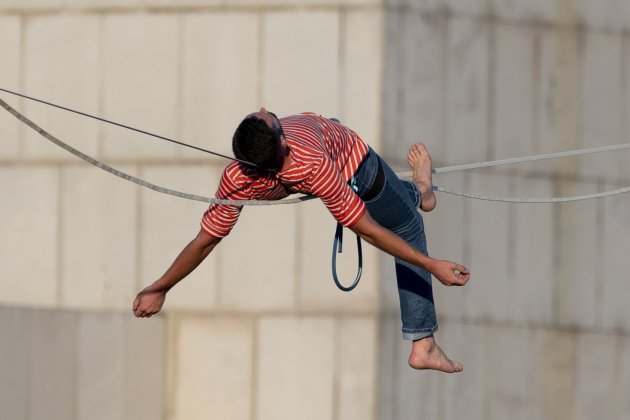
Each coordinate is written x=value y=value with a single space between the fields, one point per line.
x=377 y=186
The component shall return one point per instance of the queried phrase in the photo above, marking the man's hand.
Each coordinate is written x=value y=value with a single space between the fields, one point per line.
x=450 y=273
x=148 y=302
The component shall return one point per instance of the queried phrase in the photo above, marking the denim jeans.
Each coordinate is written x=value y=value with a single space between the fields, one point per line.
x=396 y=209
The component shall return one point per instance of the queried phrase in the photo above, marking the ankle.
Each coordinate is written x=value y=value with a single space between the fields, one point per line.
x=424 y=345
x=422 y=187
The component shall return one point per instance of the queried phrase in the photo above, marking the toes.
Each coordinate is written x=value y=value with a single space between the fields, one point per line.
x=422 y=150
x=419 y=147
x=417 y=152
x=414 y=155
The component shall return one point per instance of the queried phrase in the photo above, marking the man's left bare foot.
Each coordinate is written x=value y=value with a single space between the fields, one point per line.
x=426 y=354
x=421 y=166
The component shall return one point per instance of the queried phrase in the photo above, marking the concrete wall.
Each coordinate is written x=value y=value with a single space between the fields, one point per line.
x=60 y=364
x=543 y=327
x=259 y=331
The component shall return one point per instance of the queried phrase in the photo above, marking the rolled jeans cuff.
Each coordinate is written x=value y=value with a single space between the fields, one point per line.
x=409 y=334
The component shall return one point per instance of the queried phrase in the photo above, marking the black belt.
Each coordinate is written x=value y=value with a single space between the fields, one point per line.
x=377 y=185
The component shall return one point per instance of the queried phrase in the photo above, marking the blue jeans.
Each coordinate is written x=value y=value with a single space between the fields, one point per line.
x=395 y=208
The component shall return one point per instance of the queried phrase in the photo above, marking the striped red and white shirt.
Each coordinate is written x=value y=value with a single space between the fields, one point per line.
x=325 y=155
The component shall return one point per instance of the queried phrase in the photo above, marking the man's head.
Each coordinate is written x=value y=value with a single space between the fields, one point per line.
x=258 y=139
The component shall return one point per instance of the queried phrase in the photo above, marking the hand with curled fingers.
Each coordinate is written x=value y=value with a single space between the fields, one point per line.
x=450 y=273
x=148 y=302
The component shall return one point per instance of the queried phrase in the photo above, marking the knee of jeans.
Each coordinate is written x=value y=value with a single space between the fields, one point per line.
x=412 y=231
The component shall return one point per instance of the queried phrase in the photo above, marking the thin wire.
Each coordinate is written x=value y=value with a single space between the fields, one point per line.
x=533 y=200
x=125 y=126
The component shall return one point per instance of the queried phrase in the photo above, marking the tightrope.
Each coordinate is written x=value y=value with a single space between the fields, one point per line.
x=533 y=158
x=511 y=161
x=534 y=200
x=137 y=180
x=303 y=198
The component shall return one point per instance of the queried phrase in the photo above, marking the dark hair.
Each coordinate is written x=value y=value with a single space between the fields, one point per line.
x=254 y=141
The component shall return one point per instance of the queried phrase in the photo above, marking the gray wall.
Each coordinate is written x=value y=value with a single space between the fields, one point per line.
x=543 y=327
x=59 y=364
x=259 y=330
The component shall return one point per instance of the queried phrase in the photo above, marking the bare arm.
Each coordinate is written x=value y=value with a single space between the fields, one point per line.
x=448 y=273
x=150 y=300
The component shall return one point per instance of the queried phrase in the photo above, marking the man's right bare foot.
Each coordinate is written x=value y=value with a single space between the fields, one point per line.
x=420 y=162
x=426 y=354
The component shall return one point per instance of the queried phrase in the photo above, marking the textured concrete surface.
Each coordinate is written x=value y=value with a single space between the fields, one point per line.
x=62 y=364
x=258 y=331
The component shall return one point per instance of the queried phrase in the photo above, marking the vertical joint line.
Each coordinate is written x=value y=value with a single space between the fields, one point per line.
x=261 y=57
x=254 y=372
x=467 y=237
x=179 y=123
x=444 y=77
x=138 y=271
x=299 y=250
x=336 y=415
x=556 y=240
x=625 y=86
x=579 y=89
x=599 y=256
x=400 y=32
x=60 y=236
x=172 y=338
x=512 y=233
x=341 y=59
x=101 y=85
x=21 y=83
x=491 y=89
x=537 y=105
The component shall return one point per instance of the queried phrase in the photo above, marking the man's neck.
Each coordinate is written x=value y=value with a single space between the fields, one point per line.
x=286 y=164
x=287 y=161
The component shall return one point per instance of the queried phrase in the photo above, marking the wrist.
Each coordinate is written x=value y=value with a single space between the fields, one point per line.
x=159 y=285
x=430 y=264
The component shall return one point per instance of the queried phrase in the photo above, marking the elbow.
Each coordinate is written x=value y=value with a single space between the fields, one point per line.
x=206 y=243
x=365 y=228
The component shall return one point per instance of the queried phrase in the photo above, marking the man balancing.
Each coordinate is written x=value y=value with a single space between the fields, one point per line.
x=309 y=154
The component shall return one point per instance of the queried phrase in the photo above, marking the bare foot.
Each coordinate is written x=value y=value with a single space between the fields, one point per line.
x=420 y=162
x=426 y=354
